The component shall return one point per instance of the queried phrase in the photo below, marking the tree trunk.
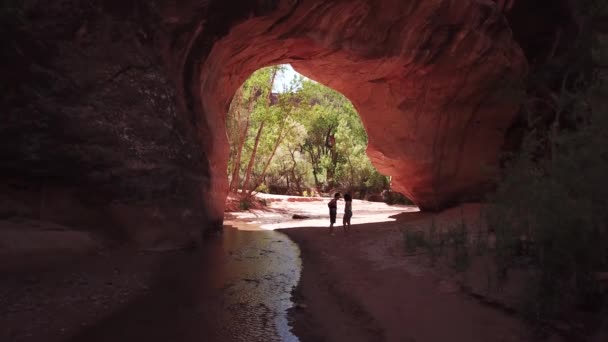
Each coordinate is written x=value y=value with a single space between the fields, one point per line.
x=280 y=138
x=234 y=106
x=257 y=139
x=293 y=174
x=314 y=167
x=331 y=171
x=237 y=159
x=234 y=181
x=252 y=159
x=352 y=174
x=272 y=78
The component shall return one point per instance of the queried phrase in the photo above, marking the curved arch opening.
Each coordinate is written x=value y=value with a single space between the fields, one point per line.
x=435 y=106
x=290 y=135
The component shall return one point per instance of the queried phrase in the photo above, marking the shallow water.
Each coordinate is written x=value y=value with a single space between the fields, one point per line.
x=254 y=273
x=237 y=287
x=256 y=267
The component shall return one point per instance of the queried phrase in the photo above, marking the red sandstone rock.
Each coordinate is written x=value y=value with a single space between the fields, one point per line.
x=122 y=107
x=432 y=81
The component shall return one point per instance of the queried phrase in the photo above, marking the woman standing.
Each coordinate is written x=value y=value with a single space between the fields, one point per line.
x=348 y=212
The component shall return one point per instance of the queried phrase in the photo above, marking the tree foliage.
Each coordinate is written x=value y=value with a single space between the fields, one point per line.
x=550 y=206
x=311 y=139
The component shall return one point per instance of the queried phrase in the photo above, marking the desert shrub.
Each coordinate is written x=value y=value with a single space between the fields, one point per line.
x=375 y=182
x=453 y=242
x=551 y=209
x=551 y=205
x=458 y=239
x=392 y=197
x=435 y=243
x=262 y=188
x=412 y=240
x=245 y=204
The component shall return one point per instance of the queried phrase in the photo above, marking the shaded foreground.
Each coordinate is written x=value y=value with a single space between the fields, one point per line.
x=361 y=287
x=365 y=286
x=237 y=287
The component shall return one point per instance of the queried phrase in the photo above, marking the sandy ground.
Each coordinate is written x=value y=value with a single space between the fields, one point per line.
x=60 y=284
x=52 y=303
x=56 y=281
x=379 y=297
x=365 y=286
x=360 y=286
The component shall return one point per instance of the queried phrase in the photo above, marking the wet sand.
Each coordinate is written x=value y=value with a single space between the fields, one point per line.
x=354 y=292
x=241 y=285
x=361 y=287
x=236 y=287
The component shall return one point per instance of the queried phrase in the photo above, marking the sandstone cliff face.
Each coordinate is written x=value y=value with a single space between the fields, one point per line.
x=114 y=112
x=435 y=83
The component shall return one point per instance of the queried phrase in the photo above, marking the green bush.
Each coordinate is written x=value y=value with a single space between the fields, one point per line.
x=245 y=204
x=391 y=197
x=435 y=243
x=458 y=239
x=262 y=188
x=413 y=239
x=552 y=210
x=12 y=12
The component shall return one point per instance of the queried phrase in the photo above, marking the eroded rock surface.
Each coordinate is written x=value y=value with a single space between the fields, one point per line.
x=435 y=83
x=114 y=111
x=90 y=135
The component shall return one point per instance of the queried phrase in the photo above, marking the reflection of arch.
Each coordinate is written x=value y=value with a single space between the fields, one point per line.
x=423 y=76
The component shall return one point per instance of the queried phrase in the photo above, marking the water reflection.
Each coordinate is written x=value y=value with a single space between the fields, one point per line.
x=237 y=287
x=254 y=274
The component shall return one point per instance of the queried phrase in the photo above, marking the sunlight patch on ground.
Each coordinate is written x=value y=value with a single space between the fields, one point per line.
x=281 y=209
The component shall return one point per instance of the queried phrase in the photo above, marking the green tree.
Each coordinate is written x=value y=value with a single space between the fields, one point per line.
x=250 y=106
x=550 y=206
x=308 y=136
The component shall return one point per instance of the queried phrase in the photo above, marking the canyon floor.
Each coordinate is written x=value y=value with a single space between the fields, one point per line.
x=241 y=286
x=361 y=285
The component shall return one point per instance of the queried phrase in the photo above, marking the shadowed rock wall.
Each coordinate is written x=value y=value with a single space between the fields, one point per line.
x=90 y=134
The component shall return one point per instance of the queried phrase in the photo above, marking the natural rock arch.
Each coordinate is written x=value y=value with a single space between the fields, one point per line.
x=433 y=83
x=116 y=109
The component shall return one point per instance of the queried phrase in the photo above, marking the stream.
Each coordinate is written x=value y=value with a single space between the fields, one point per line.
x=249 y=295
x=236 y=287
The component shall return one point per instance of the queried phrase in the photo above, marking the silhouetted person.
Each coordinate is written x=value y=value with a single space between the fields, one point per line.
x=348 y=212
x=333 y=212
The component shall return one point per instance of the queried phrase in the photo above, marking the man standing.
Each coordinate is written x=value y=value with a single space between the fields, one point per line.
x=333 y=211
